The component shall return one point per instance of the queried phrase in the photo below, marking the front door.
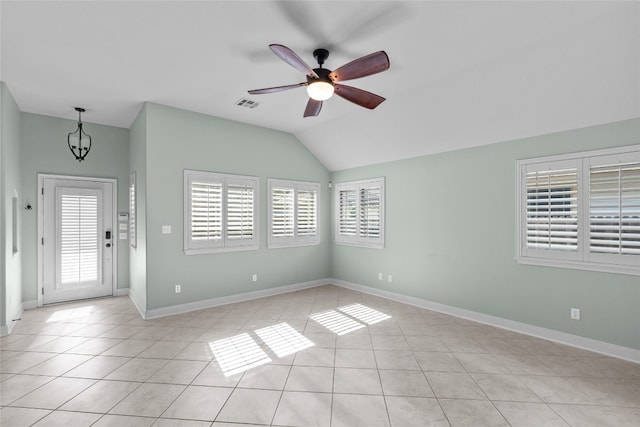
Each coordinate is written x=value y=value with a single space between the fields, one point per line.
x=77 y=239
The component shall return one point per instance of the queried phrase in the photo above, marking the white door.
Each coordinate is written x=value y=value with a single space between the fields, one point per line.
x=77 y=239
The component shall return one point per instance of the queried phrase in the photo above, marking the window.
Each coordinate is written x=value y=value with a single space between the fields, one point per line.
x=293 y=213
x=132 y=210
x=581 y=210
x=552 y=209
x=220 y=212
x=78 y=236
x=360 y=213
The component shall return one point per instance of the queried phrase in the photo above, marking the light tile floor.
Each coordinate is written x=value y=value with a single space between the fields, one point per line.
x=267 y=362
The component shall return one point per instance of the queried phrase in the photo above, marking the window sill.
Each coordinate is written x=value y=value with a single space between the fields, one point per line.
x=292 y=245
x=362 y=245
x=203 y=251
x=577 y=265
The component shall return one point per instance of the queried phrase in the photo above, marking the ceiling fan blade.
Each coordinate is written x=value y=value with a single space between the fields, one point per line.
x=290 y=57
x=275 y=89
x=361 y=67
x=358 y=96
x=313 y=108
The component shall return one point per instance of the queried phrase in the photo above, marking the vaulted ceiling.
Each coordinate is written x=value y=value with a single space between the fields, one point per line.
x=462 y=73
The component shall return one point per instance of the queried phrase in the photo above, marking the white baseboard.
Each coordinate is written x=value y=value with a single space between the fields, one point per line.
x=6 y=329
x=614 y=350
x=28 y=305
x=17 y=316
x=142 y=309
x=122 y=292
x=214 y=302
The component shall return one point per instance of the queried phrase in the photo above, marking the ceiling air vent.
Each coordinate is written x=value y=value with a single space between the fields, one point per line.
x=247 y=103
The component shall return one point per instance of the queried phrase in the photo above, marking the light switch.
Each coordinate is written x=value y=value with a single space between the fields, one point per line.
x=122 y=226
x=166 y=229
x=122 y=236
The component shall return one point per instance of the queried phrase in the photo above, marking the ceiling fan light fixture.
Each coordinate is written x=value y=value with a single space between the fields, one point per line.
x=320 y=91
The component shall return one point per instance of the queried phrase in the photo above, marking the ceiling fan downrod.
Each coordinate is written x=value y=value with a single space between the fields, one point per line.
x=321 y=55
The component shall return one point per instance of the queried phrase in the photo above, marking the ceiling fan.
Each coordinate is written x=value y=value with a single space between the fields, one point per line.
x=322 y=83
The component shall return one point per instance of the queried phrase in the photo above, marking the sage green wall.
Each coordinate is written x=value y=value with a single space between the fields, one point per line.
x=44 y=150
x=178 y=140
x=138 y=164
x=450 y=238
x=11 y=264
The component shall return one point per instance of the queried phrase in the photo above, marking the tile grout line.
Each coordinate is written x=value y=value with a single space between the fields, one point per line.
x=375 y=359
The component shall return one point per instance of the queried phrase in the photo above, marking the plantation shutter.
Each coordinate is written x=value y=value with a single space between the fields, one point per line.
x=307 y=213
x=581 y=210
x=360 y=213
x=78 y=237
x=370 y=212
x=220 y=212
x=282 y=212
x=614 y=209
x=348 y=213
x=293 y=213
x=552 y=209
x=206 y=211
x=240 y=212
x=132 y=210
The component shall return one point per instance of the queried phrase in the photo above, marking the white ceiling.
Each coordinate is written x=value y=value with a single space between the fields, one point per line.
x=462 y=73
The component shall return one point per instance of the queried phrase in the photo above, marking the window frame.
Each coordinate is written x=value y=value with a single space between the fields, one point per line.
x=296 y=240
x=358 y=239
x=583 y=258
x=225 y=244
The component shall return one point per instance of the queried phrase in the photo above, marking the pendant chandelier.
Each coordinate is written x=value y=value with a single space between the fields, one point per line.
x=79 y=142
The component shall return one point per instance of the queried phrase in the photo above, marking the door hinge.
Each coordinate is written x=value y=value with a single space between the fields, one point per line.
x=42 y=291
x=42 y=191
x=43 y=240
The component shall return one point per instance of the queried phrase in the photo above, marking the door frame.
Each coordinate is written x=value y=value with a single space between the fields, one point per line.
x=114 y=226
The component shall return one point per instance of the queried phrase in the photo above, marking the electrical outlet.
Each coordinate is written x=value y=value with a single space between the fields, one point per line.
x=178 y=289
x=255 y=278
x=575 y=313
x=379 y=276
x=166 y=229
x=389 y=278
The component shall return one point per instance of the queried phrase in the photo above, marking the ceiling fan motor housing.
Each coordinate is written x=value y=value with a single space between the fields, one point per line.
x=323 y=76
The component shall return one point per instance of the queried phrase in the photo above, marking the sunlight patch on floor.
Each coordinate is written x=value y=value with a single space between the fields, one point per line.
x=364 y=313
x=237 y=354
x=283 y=340
x=73 y=313
x=336 y=322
